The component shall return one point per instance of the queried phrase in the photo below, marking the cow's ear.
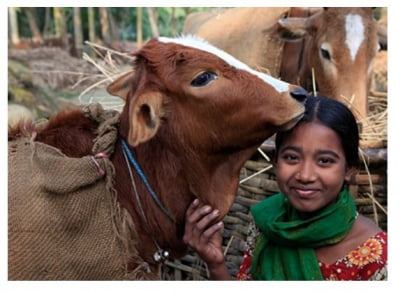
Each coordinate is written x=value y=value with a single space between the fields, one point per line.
x=121 y=86
x=289 y=29
x=145 y=116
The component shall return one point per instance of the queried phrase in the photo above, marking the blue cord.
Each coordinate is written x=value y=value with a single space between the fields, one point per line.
x=144 y=179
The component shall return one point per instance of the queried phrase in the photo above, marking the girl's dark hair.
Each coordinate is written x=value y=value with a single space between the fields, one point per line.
x=334 y=115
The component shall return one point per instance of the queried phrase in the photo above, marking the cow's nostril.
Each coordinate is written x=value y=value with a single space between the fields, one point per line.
x=299 y=94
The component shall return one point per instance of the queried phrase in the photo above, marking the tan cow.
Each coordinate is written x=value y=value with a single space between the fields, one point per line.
x=338 y=44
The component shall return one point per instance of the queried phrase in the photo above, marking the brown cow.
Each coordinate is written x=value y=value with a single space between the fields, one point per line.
x=339 y=44
x=192 y=116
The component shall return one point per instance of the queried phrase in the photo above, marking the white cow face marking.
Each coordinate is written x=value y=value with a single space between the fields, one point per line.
x=354 y=33
x=194 y=42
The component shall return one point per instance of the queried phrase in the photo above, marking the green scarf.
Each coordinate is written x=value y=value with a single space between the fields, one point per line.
x=285 y=249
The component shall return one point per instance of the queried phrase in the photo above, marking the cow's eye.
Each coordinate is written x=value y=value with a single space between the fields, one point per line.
x=203 y=79
x=325 y=54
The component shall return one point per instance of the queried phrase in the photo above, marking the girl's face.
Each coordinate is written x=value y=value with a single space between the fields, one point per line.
x=311 y=167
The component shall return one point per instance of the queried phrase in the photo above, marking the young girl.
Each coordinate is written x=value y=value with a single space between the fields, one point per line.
x=311 y=230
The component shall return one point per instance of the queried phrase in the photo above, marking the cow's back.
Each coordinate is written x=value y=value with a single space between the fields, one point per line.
x=241 y=32
x=195 y=20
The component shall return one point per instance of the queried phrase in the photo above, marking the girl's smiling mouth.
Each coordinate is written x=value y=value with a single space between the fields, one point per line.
x=305 y=192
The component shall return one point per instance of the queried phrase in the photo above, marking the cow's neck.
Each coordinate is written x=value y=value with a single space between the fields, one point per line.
x=177 y=181
x=160 y=168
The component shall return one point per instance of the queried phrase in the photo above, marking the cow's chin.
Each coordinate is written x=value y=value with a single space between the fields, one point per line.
x=225 y=210
x=223 y=204
x=290 y=124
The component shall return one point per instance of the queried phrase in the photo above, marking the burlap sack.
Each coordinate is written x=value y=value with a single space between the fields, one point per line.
x=64 y=222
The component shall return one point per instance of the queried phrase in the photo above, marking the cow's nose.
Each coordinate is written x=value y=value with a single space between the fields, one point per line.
x=299 y=94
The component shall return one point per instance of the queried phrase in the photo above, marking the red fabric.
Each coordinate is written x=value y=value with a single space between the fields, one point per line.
x=367 y=262
x=244 y=270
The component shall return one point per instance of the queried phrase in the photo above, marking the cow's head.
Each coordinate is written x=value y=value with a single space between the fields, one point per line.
x=340 y=45
x=199 y=102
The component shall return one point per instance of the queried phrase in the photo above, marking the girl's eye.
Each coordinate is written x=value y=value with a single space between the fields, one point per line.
x=203 y=79
x=290 y=157
x=325 y=161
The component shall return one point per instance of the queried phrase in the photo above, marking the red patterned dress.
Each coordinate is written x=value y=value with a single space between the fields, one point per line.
x=367 y=262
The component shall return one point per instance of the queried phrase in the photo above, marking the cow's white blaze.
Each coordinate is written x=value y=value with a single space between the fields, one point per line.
x=198 y=43
x=354 y=33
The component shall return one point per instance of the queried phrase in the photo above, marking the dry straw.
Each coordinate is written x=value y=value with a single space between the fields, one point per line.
x=107 y=62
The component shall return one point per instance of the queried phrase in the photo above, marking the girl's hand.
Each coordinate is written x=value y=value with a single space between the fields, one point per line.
x=203 y=234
